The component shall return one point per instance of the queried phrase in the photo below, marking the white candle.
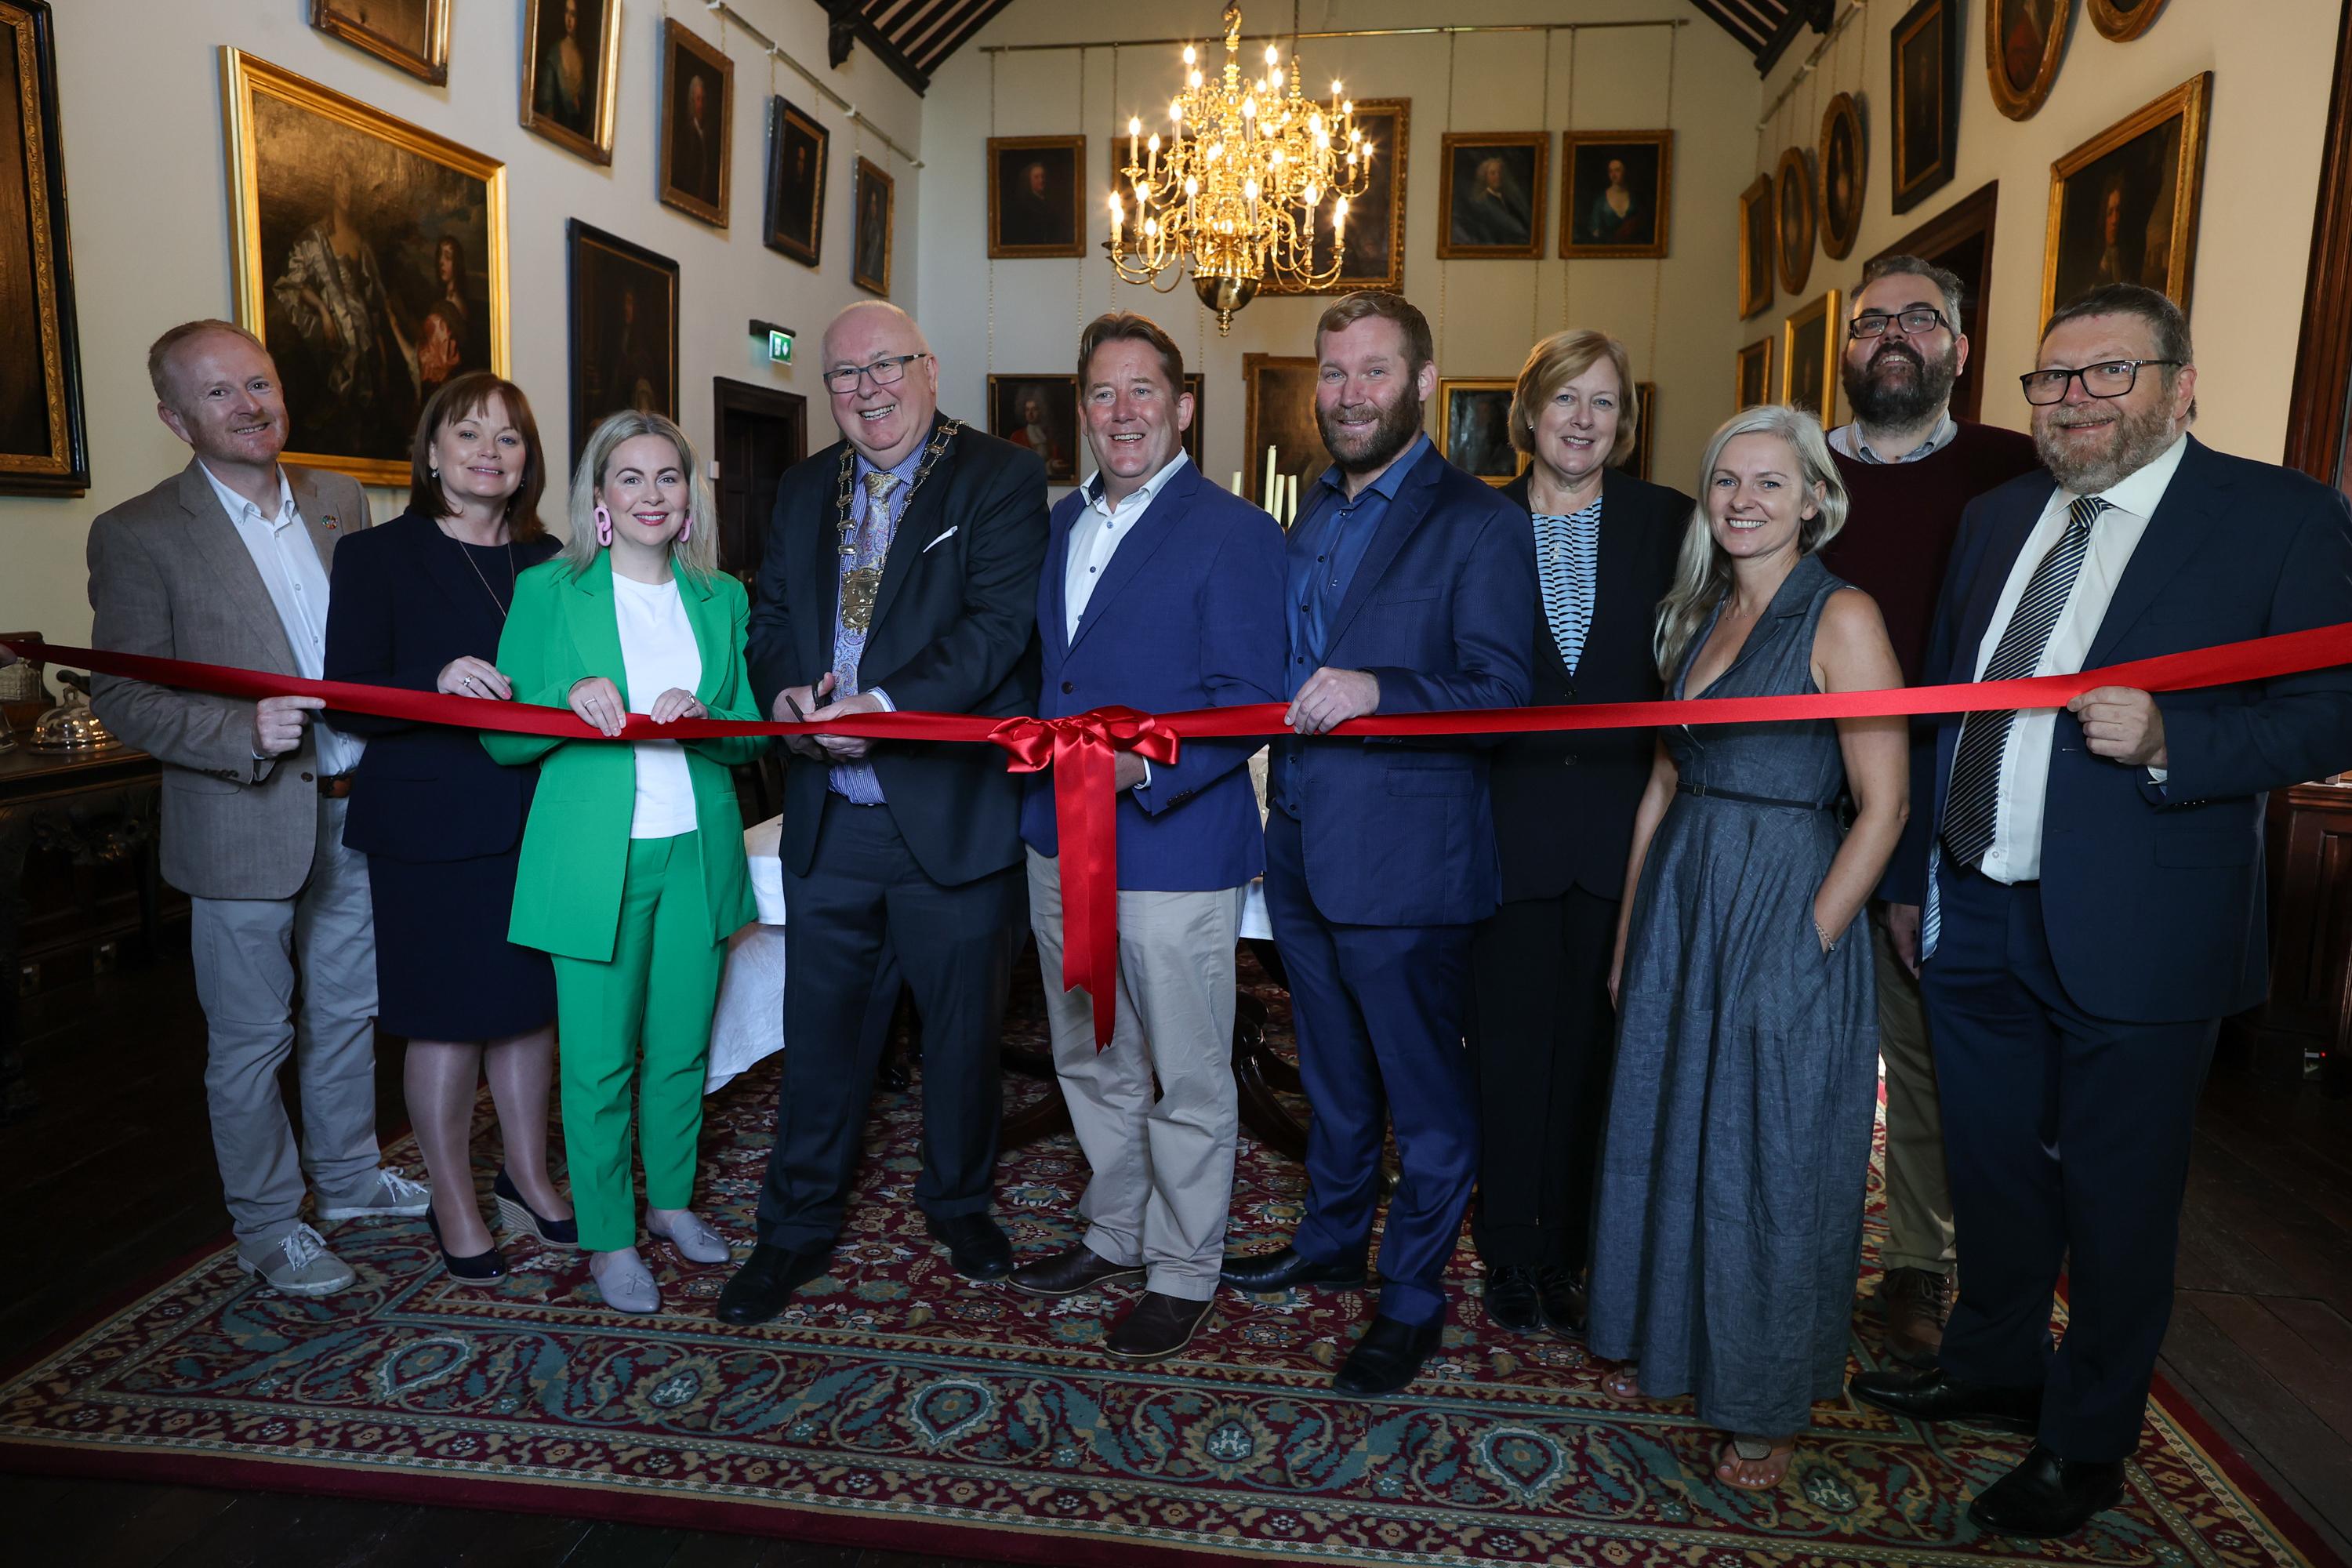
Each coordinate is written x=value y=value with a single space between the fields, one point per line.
x=1291 y=515
x=1237 y=481
x=1266 y=496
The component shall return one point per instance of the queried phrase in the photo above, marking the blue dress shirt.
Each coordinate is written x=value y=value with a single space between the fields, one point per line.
x=856 y=781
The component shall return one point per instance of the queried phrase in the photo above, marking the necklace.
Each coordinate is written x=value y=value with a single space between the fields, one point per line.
x=860 y=585
x=512 y=575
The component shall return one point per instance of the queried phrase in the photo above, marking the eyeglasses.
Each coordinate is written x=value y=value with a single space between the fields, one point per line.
x=2112 y=379
x=1917 y=323
x=887 y=372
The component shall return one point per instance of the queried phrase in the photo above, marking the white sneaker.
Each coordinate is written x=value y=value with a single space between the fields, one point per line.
x=696 y=1242
x=394 y=1195
x=626 y=1283
x=301 y=1265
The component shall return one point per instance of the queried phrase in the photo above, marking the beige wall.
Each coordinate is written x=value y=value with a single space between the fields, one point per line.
x=139 y=83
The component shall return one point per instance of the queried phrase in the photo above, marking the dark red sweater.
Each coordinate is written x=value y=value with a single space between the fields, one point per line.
x=1903 y=518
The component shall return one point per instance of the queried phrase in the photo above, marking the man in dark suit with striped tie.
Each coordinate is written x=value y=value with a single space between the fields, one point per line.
x=2094 y=886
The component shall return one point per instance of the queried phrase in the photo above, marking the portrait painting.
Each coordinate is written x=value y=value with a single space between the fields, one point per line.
x=2024 y=41
x=1372 y=245
x=1036 y=185
x=2123 y=205
x=411 y=34
x=1616 y=190
x=1039 y=412
x=1757 y=246
x=794 y=220
x=1793 y=219
x=1924 y=48
x=1844 y=169
x=370 y=259
x=1646 y=425
x=1754 y=384
x=697 y=110
x=44 y=440
x=870 y=256
x=2122 y=20
x=1278 y=412
x=1809 y=358
x=1474 y=427
x=1491 y=190
x=1197 y=386
x=572 y=72
x=1958 y=238
x=624 y=328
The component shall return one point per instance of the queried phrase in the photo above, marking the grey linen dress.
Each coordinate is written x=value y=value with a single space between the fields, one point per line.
x=1728 y=1227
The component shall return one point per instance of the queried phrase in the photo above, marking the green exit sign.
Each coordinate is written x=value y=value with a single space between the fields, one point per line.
x=780 y=345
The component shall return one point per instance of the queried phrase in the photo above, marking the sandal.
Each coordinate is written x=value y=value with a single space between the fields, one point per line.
x=1740 y=1452
x=1622 y=1382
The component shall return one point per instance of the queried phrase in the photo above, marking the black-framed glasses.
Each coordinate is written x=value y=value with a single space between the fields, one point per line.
x=2113 y=378
x=887 y=372
x=1917 y=323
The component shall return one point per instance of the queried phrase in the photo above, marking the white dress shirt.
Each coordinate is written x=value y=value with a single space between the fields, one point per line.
x=1097 y=532
x=2016 y=852
x=657 y=652
x=297 y=584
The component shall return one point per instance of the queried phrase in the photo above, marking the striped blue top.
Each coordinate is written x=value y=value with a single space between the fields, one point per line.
x=1568 y=562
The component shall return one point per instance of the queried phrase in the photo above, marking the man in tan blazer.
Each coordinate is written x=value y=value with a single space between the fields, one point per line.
x=226 y=563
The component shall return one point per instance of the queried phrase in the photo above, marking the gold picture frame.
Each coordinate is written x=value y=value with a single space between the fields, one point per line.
x=874 y=201
x=696 y=176
x=1279 y=411
x=2122 y=20
x=1808 y=357
x=1497 y=219
x=1369 y=262
x=1588 y=226
x=585 y=128
x=1757 y=244
x=1923 y=74
x=1845 y=175
x=298 y=152
x=1792 y=219
x=1474 y=427
x=422 y=49
x=1049 y=220
x=2124 y=204
x=44 y=432
x=2024 y=42
x=1752 y=383
x=1040 y=412
x=1645 y=431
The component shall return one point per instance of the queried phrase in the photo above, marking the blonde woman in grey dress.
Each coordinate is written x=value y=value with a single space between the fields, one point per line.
x=1727 y=1229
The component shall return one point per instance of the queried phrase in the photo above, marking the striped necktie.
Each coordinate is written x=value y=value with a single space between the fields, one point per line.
x=1972 y=809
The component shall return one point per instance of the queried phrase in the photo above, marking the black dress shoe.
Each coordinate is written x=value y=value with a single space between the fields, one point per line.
x=1561 y=1297
x=517 y=1215
x=764 y=1284
x=1934 y=1396
x=1067 y=1273
x=1387 y=1357
x=2047 y=1496
x=475 y=1269
x=1157 y=1326
x=1268 y=1271
x=1511 y=1302
x=977 y=1247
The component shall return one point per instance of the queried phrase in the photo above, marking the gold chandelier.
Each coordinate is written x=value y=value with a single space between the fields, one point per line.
x=1230 y=193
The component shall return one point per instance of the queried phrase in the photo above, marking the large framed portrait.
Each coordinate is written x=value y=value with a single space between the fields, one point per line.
x=572 y=73
x=1844 y=170
x=2024 y=41
x=2122 y=20
x=1036 y=185
x=1491 y=190
x=1039 y=412
x=794 y=219
x=697 y=120
x=869 y=255
x=1792 y=197
x=1645 y=430
x=1959 y=240
x=1197 y=386
x=1924 y=55
x=2123 y=205
x=1474 y=427
x=624 y=328
x=1373 y=257
x=1755 y=376
x=1809 y=358
x=44 y=440
x=1616 y=191
x=412 y=33
x=1278 y=414
x=370 y=259
x=1757 y=244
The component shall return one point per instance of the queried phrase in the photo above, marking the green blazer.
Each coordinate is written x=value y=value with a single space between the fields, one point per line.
x=575 y=847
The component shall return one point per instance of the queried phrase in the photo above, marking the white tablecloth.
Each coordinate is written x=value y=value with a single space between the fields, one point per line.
x=749 y=1025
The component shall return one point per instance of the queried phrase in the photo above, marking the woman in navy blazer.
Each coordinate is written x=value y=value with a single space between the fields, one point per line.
x=419 y=605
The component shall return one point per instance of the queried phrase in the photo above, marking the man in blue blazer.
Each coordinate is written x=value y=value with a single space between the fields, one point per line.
x=2094 y=881
x=1410 y=588
x=1161 y=592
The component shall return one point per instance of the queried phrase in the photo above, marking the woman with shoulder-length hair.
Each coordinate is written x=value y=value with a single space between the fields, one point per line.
x=1541 y=1028
x=419 y=604
x=632 y=872
x=1728 y=1232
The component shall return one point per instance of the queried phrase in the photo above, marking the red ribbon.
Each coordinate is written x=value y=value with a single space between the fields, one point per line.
x=1082 y=749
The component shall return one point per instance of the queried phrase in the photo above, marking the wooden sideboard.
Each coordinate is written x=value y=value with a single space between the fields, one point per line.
x=2304 y=1028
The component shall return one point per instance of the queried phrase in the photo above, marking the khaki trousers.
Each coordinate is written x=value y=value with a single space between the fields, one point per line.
x=1919 y=1194
x=1163 y=1169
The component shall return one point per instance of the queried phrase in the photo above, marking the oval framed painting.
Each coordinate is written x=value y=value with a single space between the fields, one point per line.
x=2122 y=20
x=2024 y=40
x=1792 y=199
x=1844 y=167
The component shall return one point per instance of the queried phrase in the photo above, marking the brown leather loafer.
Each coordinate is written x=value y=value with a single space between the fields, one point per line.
x=1157 y=1326
x=1081 y=1267
x=1914 y=1304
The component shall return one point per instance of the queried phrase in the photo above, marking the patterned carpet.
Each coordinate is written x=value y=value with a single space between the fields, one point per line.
x=900 y=1406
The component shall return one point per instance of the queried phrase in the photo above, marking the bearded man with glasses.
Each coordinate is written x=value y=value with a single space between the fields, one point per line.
x=2094 y=879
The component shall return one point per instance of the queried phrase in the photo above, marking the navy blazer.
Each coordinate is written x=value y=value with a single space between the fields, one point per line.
x=1442 y=611
x=399 y=608
x=2153 y=894
x=1188 y=614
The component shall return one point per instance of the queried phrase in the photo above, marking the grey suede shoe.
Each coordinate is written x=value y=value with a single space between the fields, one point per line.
x=391 y=1196
x=696 y=1242
x=300 y=1265
x=626 y=1283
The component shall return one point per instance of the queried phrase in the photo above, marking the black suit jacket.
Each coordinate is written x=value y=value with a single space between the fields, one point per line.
x=1564 y=804
x=955 y=631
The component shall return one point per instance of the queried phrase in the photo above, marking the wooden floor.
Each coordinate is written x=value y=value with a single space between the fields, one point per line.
x=114 y=1170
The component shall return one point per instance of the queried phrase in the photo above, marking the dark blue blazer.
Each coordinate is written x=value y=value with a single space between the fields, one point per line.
x=1188 y=614
x=400 y=607
x=2153 y=894
x=1442 y=611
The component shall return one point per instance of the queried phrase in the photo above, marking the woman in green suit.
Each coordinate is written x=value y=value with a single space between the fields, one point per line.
x=633 y=874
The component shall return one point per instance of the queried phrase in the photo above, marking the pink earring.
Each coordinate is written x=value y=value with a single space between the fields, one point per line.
x=604 y=526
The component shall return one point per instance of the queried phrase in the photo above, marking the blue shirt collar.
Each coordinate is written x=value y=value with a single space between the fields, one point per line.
x=1391 y=477
x=904 y=467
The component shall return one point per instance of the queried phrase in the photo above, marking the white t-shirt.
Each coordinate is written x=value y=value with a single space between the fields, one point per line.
x=657 y=652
